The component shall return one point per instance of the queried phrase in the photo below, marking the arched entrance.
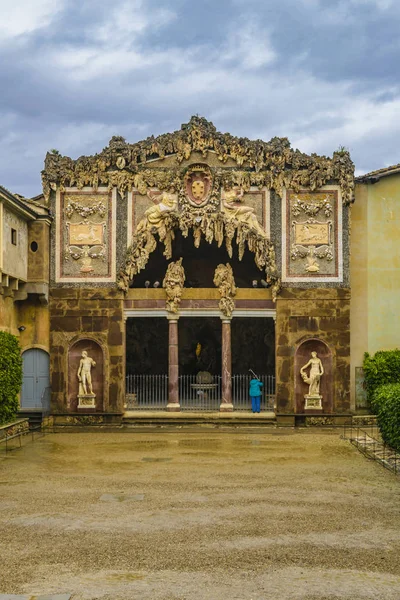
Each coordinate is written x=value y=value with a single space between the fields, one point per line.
x=36 y=378
x=204 y=257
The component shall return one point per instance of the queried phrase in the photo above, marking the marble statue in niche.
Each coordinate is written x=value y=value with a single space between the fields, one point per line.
x=313 y=398
x=86 y=397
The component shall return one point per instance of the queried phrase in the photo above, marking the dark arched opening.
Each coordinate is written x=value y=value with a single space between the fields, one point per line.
x=199 y=264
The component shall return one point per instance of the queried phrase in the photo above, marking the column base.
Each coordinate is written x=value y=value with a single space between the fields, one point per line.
x=226 y=407
x=173 y=407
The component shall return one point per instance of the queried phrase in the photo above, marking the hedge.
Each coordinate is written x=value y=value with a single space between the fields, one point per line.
x=10 y=376
x=380 y=369
x=386 y=405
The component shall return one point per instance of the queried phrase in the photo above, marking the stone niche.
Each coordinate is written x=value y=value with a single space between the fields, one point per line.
x=302 y=356
x=95 y=352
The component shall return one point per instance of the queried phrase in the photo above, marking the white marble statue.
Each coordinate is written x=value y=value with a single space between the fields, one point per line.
x=84 y=374
x=316 y=372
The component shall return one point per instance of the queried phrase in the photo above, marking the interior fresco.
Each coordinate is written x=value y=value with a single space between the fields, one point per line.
x=213 y=235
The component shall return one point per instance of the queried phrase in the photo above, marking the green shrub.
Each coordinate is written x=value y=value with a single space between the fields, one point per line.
x=382 y=368
x=10 y=376
x=386 y=405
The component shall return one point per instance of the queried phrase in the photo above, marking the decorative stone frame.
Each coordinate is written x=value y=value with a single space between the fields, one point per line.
x=57 y=248
x=336 y=223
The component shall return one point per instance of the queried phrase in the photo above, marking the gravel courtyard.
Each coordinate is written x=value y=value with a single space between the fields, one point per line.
x=210 y=515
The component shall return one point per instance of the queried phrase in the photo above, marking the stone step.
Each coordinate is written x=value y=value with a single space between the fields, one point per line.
x=183 y=419
x=35 y=417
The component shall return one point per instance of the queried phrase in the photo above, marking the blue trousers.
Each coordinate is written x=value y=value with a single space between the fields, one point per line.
x=255 y=403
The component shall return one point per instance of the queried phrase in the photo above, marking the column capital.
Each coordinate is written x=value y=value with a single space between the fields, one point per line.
x=172 y=318
x=226 y=319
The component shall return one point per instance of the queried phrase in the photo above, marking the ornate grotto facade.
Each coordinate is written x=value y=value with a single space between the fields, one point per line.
x=180 y=264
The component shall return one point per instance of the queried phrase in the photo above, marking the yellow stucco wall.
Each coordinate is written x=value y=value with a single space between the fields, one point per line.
x=32 y=315
x=375 y=270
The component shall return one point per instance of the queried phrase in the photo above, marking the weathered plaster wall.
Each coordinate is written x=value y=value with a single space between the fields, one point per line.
x=375 y=269
x=15 y=257
x=36 y=318
x=97 y=315
x=323 y=314
x=8 y=315
x=31 y=314
x=38 y=262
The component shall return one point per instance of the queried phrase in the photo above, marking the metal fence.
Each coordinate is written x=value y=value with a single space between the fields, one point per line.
x=240 y=392
x=367 y=439
x=146 y=392
x=199 y=396
x=150 y=392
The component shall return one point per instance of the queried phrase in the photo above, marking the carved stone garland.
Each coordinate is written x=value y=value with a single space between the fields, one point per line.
x=173 y=283
x=225 y=282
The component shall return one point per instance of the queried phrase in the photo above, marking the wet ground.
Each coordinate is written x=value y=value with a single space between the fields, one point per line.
x=182 y=516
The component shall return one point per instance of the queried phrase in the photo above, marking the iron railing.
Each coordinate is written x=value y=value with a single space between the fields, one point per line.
x=199 y=396
x=240 y=392
x=367 y=439
x=146 y=392
x=150 y=392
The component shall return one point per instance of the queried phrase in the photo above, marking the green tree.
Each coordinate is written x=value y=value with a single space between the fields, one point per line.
x=10 y=376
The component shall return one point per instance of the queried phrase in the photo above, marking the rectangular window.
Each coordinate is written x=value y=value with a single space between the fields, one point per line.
x=14 y=236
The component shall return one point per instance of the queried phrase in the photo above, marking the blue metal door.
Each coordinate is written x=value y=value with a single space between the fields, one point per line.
x=35 y=364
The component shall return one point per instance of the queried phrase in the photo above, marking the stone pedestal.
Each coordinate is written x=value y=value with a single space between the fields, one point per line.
x=86 y=401
x=173 y=366
x=314 y=402
x=226 y=403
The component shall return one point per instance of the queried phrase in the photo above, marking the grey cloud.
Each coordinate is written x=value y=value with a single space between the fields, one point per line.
x=297 y=71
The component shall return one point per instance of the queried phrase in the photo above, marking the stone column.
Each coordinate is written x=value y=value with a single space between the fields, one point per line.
x=173 y=365
x=125 y=400
x=226 y=404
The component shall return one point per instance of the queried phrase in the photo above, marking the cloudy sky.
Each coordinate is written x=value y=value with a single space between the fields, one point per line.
x=324 y=73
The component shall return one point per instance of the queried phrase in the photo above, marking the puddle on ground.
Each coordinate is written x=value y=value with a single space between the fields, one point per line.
x=124 y=577
x=121 y=498
x=153 y=459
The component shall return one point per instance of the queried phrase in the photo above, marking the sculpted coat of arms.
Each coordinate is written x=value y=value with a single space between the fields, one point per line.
x=198 y=185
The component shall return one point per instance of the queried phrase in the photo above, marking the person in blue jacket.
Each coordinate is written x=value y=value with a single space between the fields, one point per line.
x=255 y=394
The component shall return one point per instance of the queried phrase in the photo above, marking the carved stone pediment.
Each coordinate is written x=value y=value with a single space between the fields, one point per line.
x=272 y=164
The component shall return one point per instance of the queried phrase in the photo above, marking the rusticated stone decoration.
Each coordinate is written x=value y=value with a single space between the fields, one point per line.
x=225 y=282
x=173 y=283
x=273 y=164
x=213 y=226
x=312 y=244
x=238 y=212
x=165 y=203
x=245 y=165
